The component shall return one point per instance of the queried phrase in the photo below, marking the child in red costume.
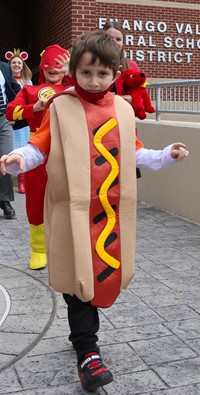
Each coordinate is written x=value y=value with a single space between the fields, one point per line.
x=29 y=104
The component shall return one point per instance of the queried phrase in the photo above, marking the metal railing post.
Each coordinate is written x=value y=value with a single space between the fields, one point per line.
x=158 y=90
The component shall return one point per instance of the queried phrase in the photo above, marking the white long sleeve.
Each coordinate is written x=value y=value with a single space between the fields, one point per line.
x=145 y=158
x=154 y=159
x=32 y=156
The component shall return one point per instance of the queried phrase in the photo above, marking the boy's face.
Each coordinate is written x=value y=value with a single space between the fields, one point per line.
x=93 y=77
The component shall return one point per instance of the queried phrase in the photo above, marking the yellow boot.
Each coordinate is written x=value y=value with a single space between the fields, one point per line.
x=38 y=251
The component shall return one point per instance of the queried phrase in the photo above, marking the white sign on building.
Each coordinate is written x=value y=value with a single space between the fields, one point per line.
x=143 y=37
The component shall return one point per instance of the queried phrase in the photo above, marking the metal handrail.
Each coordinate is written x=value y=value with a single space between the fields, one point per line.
x=178 y=97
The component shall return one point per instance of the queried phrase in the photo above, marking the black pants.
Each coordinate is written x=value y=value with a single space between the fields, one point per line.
x=138 y=173
x=6 y=145
x=84 y=325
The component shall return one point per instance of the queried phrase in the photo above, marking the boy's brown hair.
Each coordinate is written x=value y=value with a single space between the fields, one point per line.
x=101 y=46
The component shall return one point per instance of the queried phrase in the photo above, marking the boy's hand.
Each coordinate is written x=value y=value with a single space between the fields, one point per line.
x=63 y=61
x=40 y=105
x=7 y=160
x=179 y=151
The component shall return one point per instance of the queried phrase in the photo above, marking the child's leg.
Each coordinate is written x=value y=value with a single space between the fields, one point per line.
x=35 y=181
x=84 y=324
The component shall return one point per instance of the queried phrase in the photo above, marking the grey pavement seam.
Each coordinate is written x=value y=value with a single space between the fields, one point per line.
x=45 y=329
x=6 y=304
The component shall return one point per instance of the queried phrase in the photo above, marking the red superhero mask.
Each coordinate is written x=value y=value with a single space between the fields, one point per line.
x=48 y=59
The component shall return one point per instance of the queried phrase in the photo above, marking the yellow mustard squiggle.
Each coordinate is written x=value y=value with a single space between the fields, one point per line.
x=111 y=216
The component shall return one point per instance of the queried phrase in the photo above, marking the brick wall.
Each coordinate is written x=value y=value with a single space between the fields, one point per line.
x=59 y=22
x=14 y=29
x=50 y=24
x=170 y=69
x=77 y=16
x=83 y=17
x=42 y=23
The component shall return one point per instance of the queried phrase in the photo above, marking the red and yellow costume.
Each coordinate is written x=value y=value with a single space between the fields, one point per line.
x=35 y=180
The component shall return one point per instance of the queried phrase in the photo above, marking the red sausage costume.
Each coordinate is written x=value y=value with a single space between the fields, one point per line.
x=90 y=200
x=22 y=108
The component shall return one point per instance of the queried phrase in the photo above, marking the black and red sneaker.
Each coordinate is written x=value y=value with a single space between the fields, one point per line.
x=93 y=373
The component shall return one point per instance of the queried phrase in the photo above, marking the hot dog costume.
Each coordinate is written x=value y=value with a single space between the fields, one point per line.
x=22 y=108
x=90 y=200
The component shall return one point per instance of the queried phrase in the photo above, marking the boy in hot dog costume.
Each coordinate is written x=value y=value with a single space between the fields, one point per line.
x=88 y=137
x=29 y=104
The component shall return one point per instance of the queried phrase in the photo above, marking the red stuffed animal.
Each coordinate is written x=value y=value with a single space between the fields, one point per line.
x=134 y=83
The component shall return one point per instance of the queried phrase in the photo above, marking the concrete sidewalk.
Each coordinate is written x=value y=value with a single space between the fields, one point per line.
x=150 y=338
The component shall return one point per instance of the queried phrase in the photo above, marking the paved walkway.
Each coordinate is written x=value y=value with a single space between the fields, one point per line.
x=150 y=338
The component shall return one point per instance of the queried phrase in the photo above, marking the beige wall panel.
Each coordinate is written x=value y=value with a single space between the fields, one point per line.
x=175 y=189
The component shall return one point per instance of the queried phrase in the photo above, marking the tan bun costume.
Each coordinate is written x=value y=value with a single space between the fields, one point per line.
x=90 y=200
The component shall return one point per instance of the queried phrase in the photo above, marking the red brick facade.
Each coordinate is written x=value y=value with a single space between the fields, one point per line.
x=160 y=48
x=164 y=40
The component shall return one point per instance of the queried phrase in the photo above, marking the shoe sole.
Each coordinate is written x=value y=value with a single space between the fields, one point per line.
x=9 y=216
x=37 y=268
x=103 y=380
